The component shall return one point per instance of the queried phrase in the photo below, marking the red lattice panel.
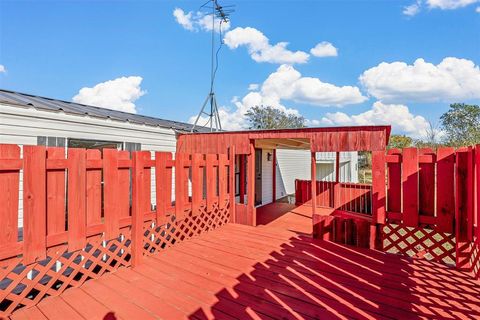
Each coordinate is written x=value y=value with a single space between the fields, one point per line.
x=160 y=237
x=419 y=242
x=475 y=260
x=22 y=285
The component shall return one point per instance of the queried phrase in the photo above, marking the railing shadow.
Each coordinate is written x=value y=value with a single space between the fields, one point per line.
x=314 y=279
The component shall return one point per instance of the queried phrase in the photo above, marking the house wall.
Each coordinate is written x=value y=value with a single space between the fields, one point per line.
x=21 y=126
x=295 y=164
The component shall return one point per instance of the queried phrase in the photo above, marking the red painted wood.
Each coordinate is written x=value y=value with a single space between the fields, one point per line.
x=123 y=196
x=462 y=195
x=163 y=183
x=477 y=188
x=222 y=180
x=410 y=186
x=251 y=212
x=34 y=204
x=232 y=184
x=138 y=207
x=378 y=187
x=313 y=189
x=426 y=184
x=94 y=190
x=181 y=188
x=211 y=177
x=197 y=182
x=9 y=184
x=77 y=216
x=242 y=177
x=394 y=184
x=111 y=191
x=445 y=189
x=470 y=193
x=147 y=180
x=56 y=217
x=365 y=138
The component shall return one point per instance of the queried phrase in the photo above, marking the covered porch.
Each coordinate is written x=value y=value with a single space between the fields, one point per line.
x=257 y=174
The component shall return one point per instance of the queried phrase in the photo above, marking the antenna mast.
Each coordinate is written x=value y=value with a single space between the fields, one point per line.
x=222 y=13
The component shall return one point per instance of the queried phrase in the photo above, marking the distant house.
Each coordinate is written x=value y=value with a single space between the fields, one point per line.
x=32 y=120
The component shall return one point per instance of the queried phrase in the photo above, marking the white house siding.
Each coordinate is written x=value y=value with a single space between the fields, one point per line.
x=291 y=165
x=19 y=125
x=295 y=164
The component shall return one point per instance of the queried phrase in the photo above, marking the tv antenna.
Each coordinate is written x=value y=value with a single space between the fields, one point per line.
x=210 y=107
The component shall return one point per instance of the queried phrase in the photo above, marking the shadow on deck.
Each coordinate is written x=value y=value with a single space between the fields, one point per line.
x=272 y=271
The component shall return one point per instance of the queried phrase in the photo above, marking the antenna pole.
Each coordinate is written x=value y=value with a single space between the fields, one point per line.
x=213 y=115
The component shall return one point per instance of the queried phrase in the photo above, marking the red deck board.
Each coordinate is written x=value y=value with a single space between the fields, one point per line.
x=56 y=308
x=86 y=305
x=276 y=271
x=32 y=313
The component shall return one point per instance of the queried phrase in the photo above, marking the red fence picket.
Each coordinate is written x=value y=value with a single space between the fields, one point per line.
x=76 y=213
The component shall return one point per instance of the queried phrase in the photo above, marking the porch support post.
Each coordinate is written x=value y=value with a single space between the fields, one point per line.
x=274 y=175
x=313 y=179
x=232 y=183
x=251 y=212
x=336 y=186
x=242 y=178
x=378 y=199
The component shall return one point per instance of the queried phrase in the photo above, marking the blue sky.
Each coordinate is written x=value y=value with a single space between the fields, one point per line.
x=56 y=48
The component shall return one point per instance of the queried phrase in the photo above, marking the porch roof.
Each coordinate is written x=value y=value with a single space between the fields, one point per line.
x=323 y=139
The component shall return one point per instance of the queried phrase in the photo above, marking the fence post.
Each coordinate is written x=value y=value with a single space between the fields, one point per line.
x=463 y=207
x=378 y=199
x=232 y=184
x=138 y=195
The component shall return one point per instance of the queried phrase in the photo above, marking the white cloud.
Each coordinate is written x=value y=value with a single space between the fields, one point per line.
x=452 y=79
x=286 y=84
x=253 y=86
x=412 y=9
x=260 y=49
x=3 y=69
x=477 y=10
x=324 y=49
x=398 y=115
x=118 y=94
x=183 y=19
x=196 y=21
x=449 y=4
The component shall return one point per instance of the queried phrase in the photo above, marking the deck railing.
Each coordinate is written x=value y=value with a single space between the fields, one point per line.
x=344 y=196
x=421 y=203
x=88 y=212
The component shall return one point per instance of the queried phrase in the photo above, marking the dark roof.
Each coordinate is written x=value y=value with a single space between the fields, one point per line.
x=48 y=104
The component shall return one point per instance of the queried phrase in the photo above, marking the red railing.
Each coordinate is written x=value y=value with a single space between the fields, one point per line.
x=432 y=197
x=89 y=212
x=344 y=196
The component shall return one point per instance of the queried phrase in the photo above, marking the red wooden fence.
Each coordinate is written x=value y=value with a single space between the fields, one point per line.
x=86 y=213
x=422 y=203
x=350 y=197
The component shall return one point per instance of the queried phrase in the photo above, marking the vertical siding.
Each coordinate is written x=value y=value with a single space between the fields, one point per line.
x=291 y=165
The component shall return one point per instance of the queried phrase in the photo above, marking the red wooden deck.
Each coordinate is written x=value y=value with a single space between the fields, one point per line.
x=272 y=271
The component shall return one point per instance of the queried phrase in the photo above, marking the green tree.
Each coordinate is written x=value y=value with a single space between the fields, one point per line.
x=266 y=117
x=399 y=141
x=461 y=124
